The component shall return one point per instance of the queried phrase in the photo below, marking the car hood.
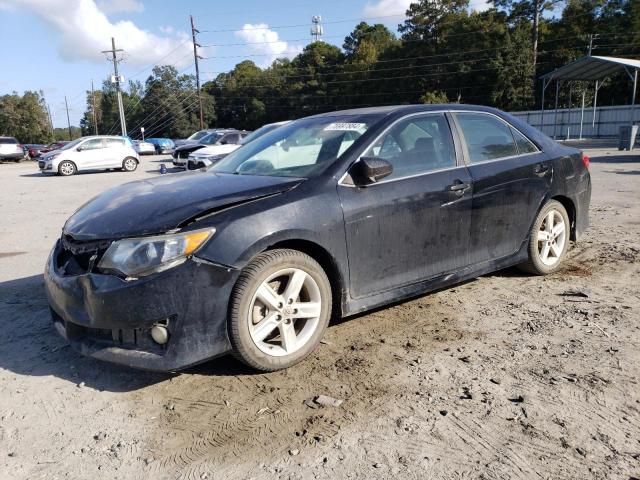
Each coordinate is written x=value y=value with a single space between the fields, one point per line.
x=217 y=149
x=166 y=202
x=188 y=146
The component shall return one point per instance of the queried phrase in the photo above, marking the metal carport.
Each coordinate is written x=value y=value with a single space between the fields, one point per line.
x=590 y=69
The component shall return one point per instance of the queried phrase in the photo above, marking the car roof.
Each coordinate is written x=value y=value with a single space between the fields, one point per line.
x=404 y=109
x=88 y=137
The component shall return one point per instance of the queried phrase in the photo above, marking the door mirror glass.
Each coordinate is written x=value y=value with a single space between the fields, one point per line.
x=370 y=170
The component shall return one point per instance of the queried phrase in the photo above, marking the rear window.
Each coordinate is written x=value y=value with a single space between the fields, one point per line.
x=7 y=140
x=115 y=142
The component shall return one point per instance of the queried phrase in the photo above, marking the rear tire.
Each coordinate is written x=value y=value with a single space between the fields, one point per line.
x=129 y=164
x=67 y=168
x=279 y=309
x=548 y=240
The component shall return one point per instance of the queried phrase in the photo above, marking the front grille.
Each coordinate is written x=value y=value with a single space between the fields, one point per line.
x=77 y=258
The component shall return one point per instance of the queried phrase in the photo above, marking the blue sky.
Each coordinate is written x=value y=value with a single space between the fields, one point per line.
x=54 y=45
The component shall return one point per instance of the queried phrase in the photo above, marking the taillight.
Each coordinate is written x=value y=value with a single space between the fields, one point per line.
x=585 y=160
x=20 y=146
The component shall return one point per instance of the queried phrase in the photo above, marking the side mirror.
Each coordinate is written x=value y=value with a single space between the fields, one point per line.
x=80 y=148
x=369 y=170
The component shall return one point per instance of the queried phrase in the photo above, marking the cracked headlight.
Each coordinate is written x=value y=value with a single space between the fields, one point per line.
x=137 y=257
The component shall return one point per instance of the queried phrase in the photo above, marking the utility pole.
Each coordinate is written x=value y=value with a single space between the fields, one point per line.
x=592 y=37
x=116 y=79
x=68 y=121
x=93 y=101
x=196 y=57
x=46 y=105
x=50 y=121
x=534 y=41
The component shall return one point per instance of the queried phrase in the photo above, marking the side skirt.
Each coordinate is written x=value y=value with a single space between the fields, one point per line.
x=353 y=307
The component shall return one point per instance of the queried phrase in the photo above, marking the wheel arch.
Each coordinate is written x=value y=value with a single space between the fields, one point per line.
x=326 y=261
x=570 y=207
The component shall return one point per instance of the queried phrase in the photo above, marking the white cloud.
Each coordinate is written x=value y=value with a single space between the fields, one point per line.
x=383 y=8
x=479 y=5
x=117 y=6
x=85 y=30
x=263 y=41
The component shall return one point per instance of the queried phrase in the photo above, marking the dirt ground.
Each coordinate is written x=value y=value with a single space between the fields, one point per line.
x=506 y=376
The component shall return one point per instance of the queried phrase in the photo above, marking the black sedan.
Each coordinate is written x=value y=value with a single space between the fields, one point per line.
x=333 y=214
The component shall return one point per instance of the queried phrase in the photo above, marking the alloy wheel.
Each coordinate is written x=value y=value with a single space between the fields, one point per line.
x=284 y=312
x=130 y=164
x=551 y=238
x=67 y=168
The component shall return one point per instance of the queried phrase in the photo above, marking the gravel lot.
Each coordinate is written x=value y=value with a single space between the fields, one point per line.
x=506 y=376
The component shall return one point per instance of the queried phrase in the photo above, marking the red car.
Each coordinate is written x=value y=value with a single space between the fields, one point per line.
x=54 y=146
x=34 y=149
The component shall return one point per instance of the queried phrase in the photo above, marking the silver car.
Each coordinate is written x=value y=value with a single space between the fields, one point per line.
x=144 y=148
x=91 y=153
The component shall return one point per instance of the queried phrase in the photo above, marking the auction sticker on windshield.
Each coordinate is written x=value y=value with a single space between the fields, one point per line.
x=345 y=127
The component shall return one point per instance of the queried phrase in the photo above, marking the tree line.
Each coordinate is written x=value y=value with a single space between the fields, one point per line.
x=443 y=52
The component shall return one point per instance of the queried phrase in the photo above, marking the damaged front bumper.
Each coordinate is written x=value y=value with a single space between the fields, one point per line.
x=109 y=318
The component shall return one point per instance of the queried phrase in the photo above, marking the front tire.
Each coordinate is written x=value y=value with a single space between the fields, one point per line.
x=279 y=309
x=129 y=164
x=548 y=240
x=67 y=168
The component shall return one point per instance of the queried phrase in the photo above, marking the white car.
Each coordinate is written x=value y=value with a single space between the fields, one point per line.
x=205 y=157
x=10 y=149
x=91 y=153
x=144 y=148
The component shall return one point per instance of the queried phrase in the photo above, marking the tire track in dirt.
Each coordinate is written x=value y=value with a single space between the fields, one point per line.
x=200 y=436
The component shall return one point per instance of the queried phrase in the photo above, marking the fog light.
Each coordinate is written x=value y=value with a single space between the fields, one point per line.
x=160 y=334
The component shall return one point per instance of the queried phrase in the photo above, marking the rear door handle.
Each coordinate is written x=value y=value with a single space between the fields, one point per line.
x=458 y=187
x=541 y=169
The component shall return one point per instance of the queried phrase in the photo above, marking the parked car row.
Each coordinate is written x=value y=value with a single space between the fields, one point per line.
x=205 y=156
x=100 y=152
x=222 y=140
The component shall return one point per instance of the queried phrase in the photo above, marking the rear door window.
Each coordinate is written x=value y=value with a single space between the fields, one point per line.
x=114 y=142
x=487 y=137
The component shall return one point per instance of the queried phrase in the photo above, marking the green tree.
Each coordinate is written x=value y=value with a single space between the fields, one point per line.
x=434 y=97
x=25 y=117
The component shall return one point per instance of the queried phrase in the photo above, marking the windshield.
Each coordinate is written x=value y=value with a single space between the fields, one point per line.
x=303 y=148
x=73 y=144
x=211 y=138
x=259 y=132
x=198 y=135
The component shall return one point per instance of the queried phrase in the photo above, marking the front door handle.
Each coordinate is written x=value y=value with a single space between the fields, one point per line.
x=541 y=169
x=458 y=187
